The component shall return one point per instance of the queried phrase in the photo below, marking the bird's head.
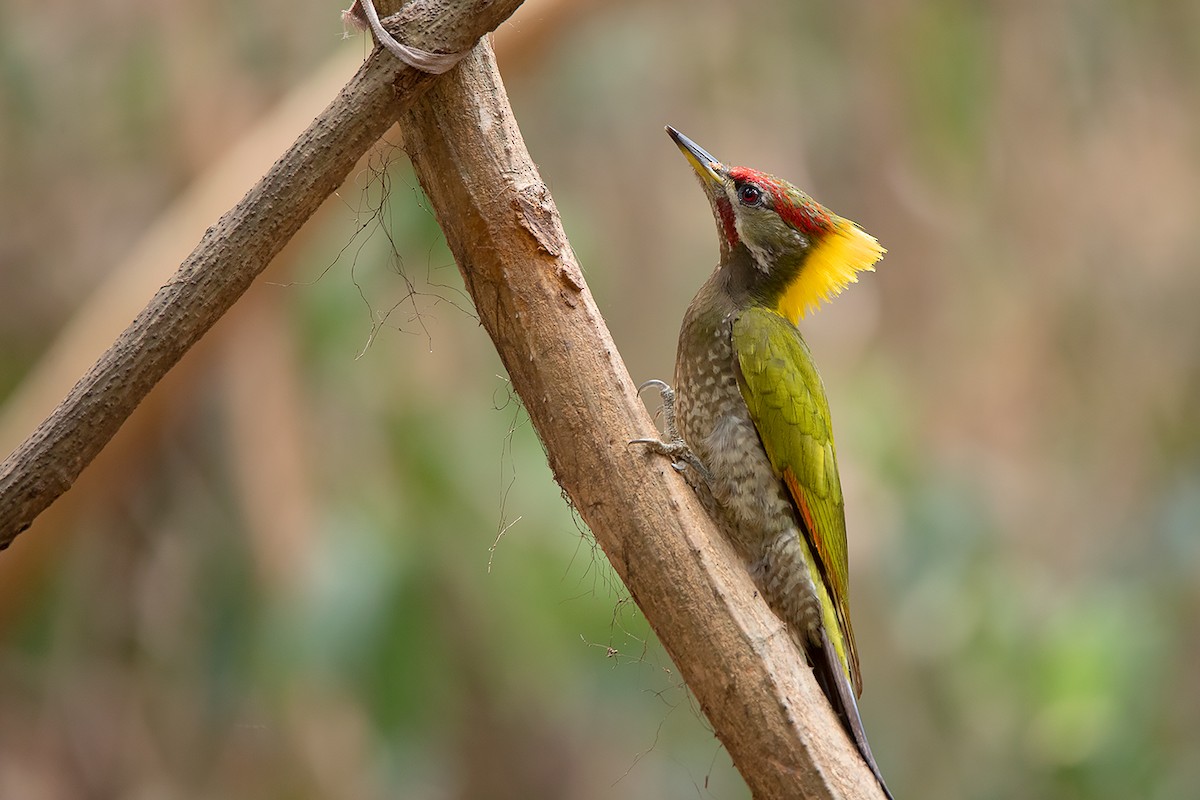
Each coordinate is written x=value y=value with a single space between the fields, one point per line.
x=801 y=252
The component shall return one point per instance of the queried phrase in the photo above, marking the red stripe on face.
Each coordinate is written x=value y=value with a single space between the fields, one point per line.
x=806 y=216
x=728 y=224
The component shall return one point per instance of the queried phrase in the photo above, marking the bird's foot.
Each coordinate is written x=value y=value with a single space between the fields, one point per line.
x=673 y=446
x=668 y=400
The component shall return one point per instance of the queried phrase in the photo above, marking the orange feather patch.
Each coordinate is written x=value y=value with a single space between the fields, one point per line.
x=837 y=588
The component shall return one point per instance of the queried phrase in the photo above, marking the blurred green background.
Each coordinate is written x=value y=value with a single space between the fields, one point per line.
x=326 y=558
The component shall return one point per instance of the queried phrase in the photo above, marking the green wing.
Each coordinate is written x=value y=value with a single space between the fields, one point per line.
x=787 y=403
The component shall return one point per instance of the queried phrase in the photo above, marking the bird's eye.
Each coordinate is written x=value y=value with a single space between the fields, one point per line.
x=750 y=195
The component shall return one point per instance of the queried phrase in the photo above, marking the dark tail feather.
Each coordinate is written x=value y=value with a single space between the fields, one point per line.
x=833 y=681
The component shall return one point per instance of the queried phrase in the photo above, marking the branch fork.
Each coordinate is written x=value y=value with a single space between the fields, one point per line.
x=363 y=13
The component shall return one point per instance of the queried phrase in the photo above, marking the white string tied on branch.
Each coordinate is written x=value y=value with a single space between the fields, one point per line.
x=415 y=57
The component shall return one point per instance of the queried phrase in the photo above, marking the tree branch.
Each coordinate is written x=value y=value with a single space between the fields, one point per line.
x=232 y=253
x=507 y=238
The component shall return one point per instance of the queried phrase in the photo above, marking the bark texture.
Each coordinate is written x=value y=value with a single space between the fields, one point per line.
x=508 y=240
x=230 y=256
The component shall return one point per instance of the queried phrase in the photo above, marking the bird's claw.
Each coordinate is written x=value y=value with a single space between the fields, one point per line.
x=663 y=387
x=682 y=457
x=673 y=446
x=668 y=402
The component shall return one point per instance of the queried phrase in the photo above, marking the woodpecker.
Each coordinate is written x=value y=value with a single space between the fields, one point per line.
x=748 y=420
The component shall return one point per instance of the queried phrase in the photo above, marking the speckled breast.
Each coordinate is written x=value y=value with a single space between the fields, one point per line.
x=745 y=497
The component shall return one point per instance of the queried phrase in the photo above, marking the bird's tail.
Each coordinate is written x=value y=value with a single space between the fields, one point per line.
x=834 y=681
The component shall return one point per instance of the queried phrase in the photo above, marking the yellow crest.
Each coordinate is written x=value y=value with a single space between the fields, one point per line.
x=832 y=264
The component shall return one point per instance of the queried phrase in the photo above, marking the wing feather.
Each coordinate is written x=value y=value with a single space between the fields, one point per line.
x=787 y=403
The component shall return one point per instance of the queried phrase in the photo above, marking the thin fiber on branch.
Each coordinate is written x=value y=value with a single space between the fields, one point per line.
x=230 y=256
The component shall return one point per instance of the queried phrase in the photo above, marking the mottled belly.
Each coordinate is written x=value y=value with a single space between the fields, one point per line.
x=744 y=496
